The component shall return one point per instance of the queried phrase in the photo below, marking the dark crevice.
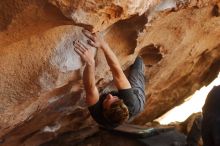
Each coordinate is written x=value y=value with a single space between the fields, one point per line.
x=151 y=54
x=28 y=136
x=127 y=32
x=215 y=11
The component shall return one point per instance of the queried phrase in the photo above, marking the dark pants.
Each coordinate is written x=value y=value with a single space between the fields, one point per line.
x=137 y=79
x=211 y=129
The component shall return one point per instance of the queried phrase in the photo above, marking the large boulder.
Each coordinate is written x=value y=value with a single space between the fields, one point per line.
x=41 y=88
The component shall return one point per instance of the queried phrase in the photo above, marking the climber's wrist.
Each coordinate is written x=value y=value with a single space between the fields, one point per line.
x=104 y=46
x=91 y=63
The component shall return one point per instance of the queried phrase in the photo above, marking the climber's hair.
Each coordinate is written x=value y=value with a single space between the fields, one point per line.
x=117 y=113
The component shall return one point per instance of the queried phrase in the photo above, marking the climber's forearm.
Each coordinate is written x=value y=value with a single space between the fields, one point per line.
x=92 y=94
x=89 y=77
x=119 y=77
x=112 y=60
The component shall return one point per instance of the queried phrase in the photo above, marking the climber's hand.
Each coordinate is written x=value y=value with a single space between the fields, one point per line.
x=95 y=39
x=85 y=52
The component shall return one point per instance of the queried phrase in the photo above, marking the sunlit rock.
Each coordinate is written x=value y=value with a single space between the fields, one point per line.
x=41 y=89
x=33 y=69
x=99 y=14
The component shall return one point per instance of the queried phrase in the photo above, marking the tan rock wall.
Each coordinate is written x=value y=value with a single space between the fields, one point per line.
x=41 y=89
x=20 y=19
x=99 y=14
x=33 y=67
x=188 y=41
x=38 y=61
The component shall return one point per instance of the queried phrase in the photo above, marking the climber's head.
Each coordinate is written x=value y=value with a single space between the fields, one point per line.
x=115 y=110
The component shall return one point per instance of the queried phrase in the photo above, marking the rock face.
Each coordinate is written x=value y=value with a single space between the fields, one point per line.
x=189 y=53
x=167 y=138
x=99 y=14
x=35 y=67
x=41 y=90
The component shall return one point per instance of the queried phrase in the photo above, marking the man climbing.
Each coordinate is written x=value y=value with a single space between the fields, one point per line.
x=211 y=118
x=113 y=108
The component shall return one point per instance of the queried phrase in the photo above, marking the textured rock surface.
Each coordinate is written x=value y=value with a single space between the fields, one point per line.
x=100 y=138
x=111 y=139
x=187 y=42
x=34 y=66
x=192 y=128
x=40 y=89
x=19 y=19
x=100 y=14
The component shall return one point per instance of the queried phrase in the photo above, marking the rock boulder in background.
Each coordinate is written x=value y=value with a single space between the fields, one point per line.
x=41 y=88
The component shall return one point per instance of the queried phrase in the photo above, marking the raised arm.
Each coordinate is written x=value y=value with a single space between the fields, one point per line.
x=119 y=77
x=92 y=94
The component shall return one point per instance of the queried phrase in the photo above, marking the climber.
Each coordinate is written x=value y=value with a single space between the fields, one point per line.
x=115 y=107
x=211 y=118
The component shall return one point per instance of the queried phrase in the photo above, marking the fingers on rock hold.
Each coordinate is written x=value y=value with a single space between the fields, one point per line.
x=89 y=35
x=91 y=43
